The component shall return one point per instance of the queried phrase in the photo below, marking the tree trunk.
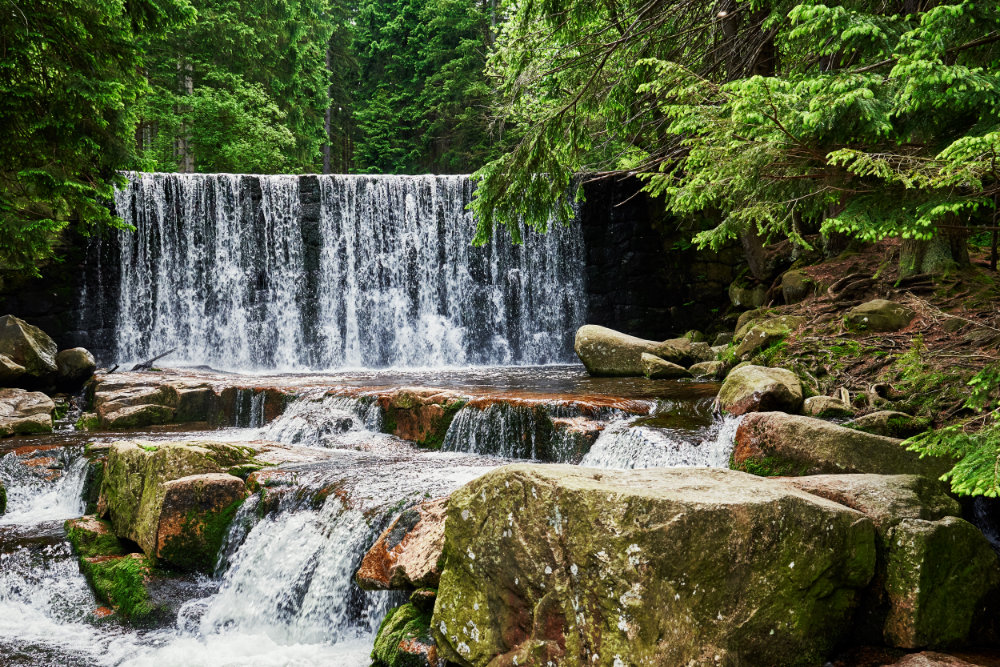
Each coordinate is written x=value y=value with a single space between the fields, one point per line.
x=327 y=117
x=944 y=253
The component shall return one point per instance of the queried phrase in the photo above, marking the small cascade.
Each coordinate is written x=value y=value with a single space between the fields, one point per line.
x=36 y=494
x=318 y=272
x=625 y=445
x=319 y=422
x=499 y=429
x=249 y=407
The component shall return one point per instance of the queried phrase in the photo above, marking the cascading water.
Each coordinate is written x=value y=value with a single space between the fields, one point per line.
x=624 y=445
x=312 y=272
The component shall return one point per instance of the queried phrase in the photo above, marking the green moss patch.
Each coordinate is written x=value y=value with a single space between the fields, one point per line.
x=404 y=629
x=120 y=581
x=196 y=547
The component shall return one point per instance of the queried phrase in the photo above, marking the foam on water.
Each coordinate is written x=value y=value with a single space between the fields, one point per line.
x=31 y=498
x=625 y=446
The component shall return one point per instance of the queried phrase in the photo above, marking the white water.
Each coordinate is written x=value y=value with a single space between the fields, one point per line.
x=322 y=421
x=288 y=272
x=32 y=499
x=624 y=446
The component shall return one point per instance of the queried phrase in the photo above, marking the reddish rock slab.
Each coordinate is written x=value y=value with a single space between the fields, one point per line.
x=407 y=554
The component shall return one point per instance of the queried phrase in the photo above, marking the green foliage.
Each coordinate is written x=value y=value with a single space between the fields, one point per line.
x=778 y=116
x=974 y=443
x=422 y=95
x=70 y=82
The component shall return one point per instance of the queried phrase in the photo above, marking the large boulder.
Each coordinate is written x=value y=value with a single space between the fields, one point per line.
x=173 y=499
x=879 y=315
x=75 y=367
x=658 y=567
x=656 y=368
x=934 y=569
x=796 y=285
x=766 y=333
x=25 y=412
x=406 y=555
x=775 y=443
x=890 y=423
x=757 y=388
x=31 y=348
x=611 y=353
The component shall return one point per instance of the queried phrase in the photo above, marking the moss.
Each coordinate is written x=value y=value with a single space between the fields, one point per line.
x=149 y=448
x=61 y=410
x=92 y=543
x=88 y=421
x=201 y=535
x=435 y=438
x=404 y=624
x=92 y=485
x=766 y=467
x=121 y=583
x=244 y=470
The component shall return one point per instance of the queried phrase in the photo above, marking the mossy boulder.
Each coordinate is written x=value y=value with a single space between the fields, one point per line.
x=826 y=407
x=758 y=388
x=660 y=567
x=117 y=577
x=656 y=368
x=879 y=315
x=407 y=554
x=775 y=443
x=25 y=412
x=75 y=366
x=796 y=285
x=612 y=353
x=138 y=416
x=744 y=295
x=713 y=370
x=173 y=499
x=32 y=349
x=766 y=333
x=404 y=639
x=419 y=414
x=934 y=569
x=937 y=572
x=890 y=423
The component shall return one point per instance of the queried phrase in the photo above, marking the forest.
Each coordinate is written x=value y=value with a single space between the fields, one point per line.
x=340 y=280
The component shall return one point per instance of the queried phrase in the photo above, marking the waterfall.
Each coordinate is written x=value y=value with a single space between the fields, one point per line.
x=624 y=445
x=316 y=272
x=317 y=422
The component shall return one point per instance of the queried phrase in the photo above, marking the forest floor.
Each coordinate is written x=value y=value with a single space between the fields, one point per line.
x=922 y=369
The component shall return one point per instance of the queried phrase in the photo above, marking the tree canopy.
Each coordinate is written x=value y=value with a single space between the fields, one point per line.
x=868 y=118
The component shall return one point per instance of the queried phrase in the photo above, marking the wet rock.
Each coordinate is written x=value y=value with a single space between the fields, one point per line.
x=766 y=333
x=137 y=416
x=747 y=319
x=890 y=423
x=572 y=438
x=75 y=367
x=3 y=499
x=170 y=499
x=608 y=352
x=879 y=315
x=656 y=368
x=31 y=348
x=420 y=415
x=775 y=443
x=404 y=639
x=796 y=286
x=407 y=553
x=117 y=577
x=10 y=371
x=194 y=516
x=701 y=351
x=664 y=566
x=88 y=421
x=826 y=407
x=757 y=388
x=715 y=370
x=25 y=412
